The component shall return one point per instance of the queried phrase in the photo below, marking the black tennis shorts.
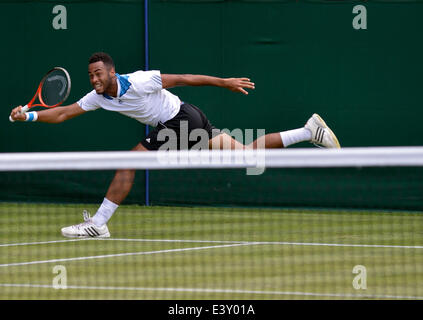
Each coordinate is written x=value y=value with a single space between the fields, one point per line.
x=189 y=128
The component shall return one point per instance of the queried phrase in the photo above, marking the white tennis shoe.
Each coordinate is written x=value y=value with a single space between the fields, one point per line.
x=321 y=135
x=86 y=229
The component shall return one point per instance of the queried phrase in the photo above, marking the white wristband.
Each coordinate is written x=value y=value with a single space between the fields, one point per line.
x=31 y=116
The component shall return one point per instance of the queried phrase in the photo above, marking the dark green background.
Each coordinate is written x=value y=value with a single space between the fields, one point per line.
x=304 y=57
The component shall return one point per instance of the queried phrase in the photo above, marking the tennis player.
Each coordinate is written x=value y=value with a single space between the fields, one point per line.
x=142 y=95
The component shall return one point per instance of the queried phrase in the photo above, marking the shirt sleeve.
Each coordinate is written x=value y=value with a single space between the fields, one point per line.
x=147 y=81
x=89 y=102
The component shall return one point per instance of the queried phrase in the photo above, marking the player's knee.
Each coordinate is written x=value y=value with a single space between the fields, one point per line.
x=125 y=175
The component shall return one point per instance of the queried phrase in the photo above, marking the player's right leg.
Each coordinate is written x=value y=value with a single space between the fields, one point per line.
x=122 y=182
x=86 y=229
x=96 y=227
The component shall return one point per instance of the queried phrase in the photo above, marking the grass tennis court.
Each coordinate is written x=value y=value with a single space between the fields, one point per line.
x=211 y=253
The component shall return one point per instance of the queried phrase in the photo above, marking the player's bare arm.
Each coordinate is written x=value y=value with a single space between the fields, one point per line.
x=233 y=84
x=54 y=115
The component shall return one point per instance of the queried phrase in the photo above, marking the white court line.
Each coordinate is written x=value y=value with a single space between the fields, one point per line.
x=273 y=242
x=342 y=245
x=222 y=241
x=230 y=244
x=174 y=240
x=39 y=242
x=120 y=255
x=117 y=239
x=205 y=290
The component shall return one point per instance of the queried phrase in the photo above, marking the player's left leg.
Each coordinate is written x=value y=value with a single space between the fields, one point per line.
x=225 y=141
x=315 y=131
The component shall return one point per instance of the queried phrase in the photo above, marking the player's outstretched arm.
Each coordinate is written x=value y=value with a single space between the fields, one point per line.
x=233 y=84
x=53 y=115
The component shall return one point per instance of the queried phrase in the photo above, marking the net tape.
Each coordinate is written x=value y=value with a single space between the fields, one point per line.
x=214 y=159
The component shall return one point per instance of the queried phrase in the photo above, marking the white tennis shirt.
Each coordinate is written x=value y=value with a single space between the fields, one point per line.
x=140 y=96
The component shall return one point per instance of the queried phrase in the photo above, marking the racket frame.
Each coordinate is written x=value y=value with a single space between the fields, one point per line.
x=37 y=94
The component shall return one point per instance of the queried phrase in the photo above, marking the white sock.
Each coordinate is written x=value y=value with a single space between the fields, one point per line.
x=294 y=136
x=104 y=213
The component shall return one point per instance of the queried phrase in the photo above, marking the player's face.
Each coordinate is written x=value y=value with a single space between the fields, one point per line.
x=101 y=76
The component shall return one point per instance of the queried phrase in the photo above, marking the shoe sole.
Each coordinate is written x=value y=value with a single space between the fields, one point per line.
x=107 y=235
x=319 y=118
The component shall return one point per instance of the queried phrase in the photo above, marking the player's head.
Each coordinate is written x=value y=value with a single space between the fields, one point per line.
x=101 y=70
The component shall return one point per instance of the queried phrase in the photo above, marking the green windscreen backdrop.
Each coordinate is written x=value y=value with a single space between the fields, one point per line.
x=31 y=45
x=304 y=56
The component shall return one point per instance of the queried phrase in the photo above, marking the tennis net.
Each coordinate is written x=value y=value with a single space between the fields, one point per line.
x=244 y=224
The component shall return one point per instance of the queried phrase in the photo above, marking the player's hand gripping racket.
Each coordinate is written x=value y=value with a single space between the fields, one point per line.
x=52 y=91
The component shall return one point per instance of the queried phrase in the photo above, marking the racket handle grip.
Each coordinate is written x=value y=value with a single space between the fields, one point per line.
x=23 y=110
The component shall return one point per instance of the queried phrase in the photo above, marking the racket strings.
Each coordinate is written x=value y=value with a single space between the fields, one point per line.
x=55 y=88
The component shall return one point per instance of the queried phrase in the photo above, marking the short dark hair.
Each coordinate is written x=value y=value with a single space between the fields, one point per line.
x=102 y=56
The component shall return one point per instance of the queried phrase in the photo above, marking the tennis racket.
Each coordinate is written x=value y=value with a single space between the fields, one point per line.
x=52 y=91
